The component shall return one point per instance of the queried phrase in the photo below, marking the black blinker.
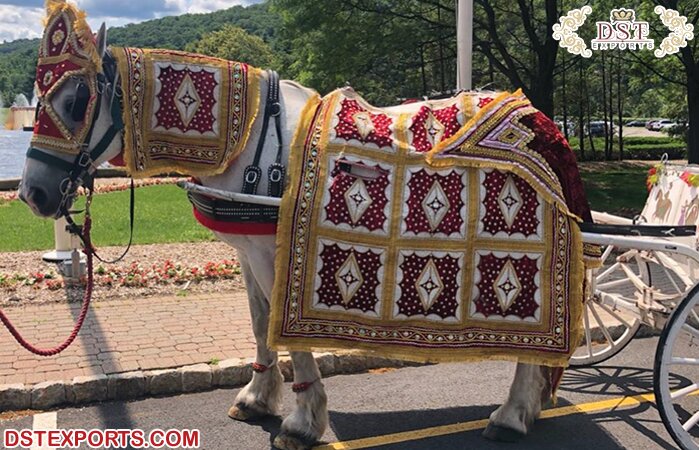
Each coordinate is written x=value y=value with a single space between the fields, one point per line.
x=82 y=98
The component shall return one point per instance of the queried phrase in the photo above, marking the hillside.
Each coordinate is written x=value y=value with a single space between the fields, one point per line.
x=18 y=58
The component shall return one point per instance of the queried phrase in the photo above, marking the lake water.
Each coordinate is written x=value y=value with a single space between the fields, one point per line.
x=13 y=146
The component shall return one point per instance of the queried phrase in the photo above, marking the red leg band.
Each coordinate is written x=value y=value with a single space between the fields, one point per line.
x=302 y=387
x=259 y=368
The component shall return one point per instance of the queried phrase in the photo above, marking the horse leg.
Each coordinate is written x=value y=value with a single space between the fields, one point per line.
x=306 y=424
x=262 y=396
x=530 y=389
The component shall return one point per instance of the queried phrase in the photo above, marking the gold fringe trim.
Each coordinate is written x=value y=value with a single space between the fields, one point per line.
x=119 y=54
x=283 y=242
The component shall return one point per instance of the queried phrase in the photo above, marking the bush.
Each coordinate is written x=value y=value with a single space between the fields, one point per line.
x=636 y=147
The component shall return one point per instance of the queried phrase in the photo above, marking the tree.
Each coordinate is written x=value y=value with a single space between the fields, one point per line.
x=517 y=39
x=234 y=43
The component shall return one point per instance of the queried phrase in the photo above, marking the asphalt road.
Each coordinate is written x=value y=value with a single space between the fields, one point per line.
x=392 y=402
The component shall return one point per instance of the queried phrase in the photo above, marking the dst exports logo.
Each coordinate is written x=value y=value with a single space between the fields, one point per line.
x=623 y=31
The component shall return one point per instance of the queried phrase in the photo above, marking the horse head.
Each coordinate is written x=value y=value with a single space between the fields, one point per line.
x=78 y=117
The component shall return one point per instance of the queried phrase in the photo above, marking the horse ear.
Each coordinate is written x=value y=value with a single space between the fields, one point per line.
x=102 y=40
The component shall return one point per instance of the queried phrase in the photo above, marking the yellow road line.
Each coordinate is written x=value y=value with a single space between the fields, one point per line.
x=414 y=435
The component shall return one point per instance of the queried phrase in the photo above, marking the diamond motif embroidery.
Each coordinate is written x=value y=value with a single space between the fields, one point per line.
x=510 y=201
x=187 y=100
x=349 y=278
x=435 y=204
x=357 y=199
x=435 y=129
x=507 y=286
x=429 y=285
x=364 y=124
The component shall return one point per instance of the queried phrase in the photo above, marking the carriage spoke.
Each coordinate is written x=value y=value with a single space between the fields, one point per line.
x=691 y=422
x=685 y=391
x=607 y=272
x=613 y=313
x=605 y=332
x=612 y=284
x=685 y=361
x=635 y=279
x=607 y=251
x=691 y=330
x=666 y=262
x=588 y=339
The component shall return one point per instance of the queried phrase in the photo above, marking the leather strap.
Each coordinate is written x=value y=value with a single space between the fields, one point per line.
x=230 y=211
x=276 y=172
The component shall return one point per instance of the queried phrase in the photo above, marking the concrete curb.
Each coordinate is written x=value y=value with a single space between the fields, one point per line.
x=195 y=378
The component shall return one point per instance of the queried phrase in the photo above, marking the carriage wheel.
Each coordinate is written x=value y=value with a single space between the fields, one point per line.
x=677 y=356
x=608 y=326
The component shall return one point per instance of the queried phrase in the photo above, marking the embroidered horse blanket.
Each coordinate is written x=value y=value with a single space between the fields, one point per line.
x=439 y=231
x=184 y=113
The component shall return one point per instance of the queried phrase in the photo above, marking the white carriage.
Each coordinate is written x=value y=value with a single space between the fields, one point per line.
x=648 y=278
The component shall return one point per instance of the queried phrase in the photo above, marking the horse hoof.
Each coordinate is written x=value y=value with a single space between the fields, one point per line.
x=502 y=434
x=245 y=413
x=286 y=441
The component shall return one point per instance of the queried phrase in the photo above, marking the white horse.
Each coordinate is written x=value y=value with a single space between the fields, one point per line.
x=40 y=189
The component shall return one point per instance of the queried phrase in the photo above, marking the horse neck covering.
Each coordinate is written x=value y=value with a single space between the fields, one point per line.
x=67 y=50
x=184 y=113
x=430 y=232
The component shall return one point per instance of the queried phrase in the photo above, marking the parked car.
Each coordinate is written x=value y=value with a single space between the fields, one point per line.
x=636 y=123
x=651 y=123
x=571 y=125
x=597 y=128
x=662 y=124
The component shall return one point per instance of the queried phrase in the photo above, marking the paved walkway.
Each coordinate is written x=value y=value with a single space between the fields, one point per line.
x=126 y=335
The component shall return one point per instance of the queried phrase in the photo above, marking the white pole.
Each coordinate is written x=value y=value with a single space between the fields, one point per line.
x=64 y=245
x=464 y=45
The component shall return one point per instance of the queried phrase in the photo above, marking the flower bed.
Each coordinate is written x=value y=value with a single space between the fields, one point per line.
x=134 y=275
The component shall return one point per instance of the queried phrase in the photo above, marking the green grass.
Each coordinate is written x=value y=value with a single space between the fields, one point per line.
x=620 y=191
x=163 y=215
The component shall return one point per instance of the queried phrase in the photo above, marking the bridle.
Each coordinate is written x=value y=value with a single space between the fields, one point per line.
x=81 y=170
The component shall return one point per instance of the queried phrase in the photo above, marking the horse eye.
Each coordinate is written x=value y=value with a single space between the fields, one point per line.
x=69 y=105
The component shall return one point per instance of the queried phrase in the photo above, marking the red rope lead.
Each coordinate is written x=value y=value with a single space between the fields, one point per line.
x=83 y=310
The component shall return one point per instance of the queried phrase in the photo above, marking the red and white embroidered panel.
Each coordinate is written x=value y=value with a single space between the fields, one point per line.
x=349 y=278
x=506 y=286
x=187 y=99
x=429 y=286
x=356 y=123
x=435 y=203
x=358 y=204
x=509 y=207
x=431 y=126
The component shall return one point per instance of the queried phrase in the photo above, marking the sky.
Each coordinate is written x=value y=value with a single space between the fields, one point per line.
x=23 y=18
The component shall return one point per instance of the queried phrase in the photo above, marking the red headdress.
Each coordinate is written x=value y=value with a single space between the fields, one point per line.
x=68 y=49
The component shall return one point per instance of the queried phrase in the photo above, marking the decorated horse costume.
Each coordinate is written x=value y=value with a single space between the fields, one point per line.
x=452 y=196
x=437 y=231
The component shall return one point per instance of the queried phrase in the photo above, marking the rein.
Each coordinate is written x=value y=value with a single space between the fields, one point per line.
x=80 y=172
